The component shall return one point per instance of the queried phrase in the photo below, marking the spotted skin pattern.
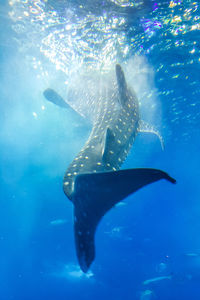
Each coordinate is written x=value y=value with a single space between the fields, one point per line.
x=93 y=181
x=114 y=131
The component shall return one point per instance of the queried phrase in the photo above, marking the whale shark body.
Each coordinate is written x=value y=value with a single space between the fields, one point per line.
x=94 y=181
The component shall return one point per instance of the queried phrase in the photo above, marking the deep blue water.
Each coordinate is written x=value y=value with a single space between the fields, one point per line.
x=156 y=234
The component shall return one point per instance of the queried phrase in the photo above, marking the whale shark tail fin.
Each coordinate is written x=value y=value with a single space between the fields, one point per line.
x=96 y=193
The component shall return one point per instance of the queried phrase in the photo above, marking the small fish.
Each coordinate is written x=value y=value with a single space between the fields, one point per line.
x=58 y=222
x=146 y=295
x=120 y=204
x=156 y=279
x=192 y=254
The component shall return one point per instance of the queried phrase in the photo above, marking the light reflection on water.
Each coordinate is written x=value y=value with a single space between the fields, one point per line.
x=74 y=35
x=86 y=35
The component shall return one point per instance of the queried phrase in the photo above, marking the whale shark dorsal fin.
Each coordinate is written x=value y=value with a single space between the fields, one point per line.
x=122 y=85
x=109 y=139
x=145 y=127
x=95 y=194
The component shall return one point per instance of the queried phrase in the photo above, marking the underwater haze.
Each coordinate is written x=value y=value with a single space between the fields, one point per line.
x=148 y=246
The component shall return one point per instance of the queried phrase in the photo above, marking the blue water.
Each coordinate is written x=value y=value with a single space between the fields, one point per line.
x=155 y=235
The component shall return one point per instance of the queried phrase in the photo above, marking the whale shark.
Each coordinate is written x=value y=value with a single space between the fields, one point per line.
x=93 y=181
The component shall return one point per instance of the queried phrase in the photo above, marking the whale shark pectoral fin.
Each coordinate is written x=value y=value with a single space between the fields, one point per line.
x=145 y=127
x=109 y=139
x=95 y=194
x=52 y=96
